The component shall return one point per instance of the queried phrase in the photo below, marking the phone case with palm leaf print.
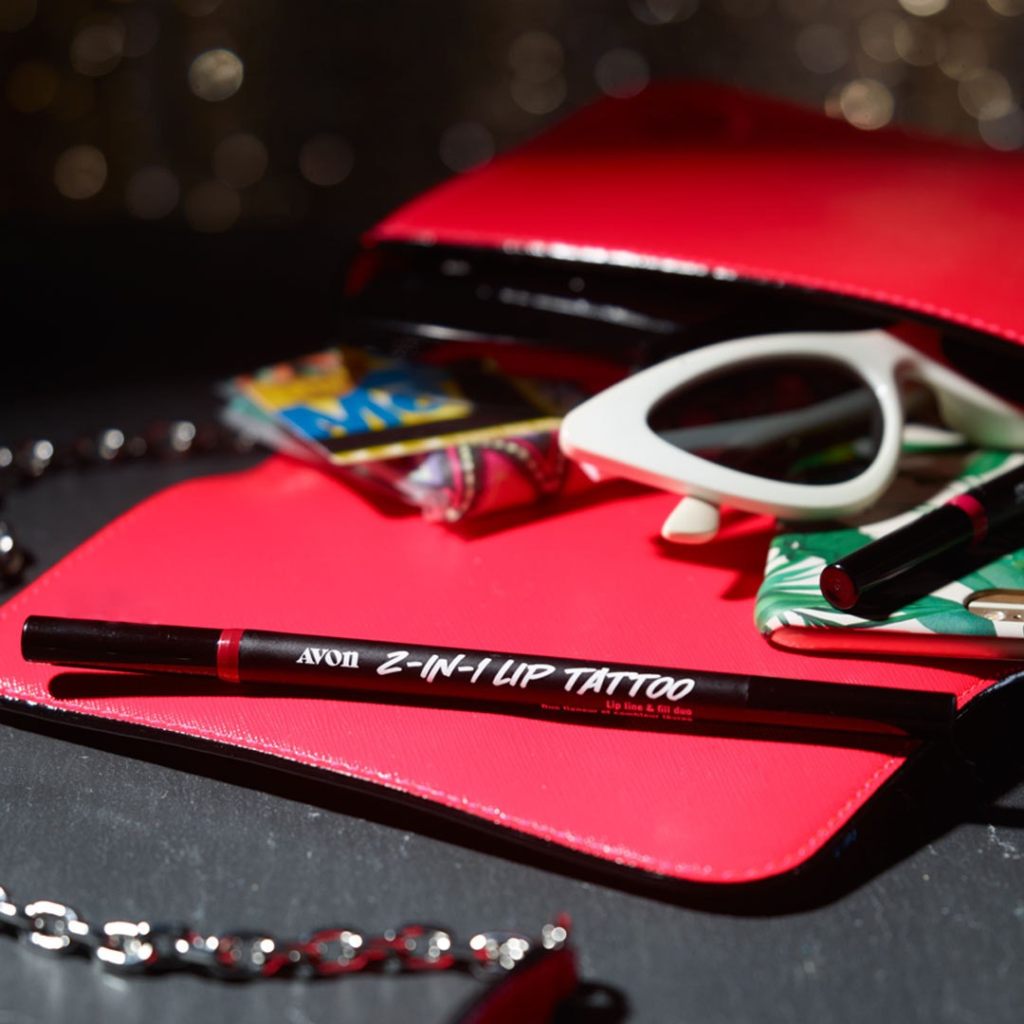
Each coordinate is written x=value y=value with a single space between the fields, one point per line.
x=930 y=614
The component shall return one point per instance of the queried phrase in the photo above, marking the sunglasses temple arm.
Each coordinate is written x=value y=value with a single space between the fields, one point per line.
x=832 y=412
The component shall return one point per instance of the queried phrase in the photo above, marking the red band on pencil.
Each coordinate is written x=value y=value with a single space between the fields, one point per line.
x=975 y=512
x=227 y=655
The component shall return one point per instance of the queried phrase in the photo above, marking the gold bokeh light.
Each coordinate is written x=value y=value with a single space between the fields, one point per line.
x=621 y=72
x=152 y=192
x=80 y=172
x=16 y=14
x=465 y=145
x=97 y=47
x=866 y=103
x=326 y=160
x=240 y=160
x=216 y=75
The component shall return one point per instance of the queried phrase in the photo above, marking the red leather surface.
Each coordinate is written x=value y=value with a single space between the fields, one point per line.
x=286 y=547
x=743 y=185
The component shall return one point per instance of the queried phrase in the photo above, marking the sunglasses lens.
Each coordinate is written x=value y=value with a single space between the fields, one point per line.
x=808 y=421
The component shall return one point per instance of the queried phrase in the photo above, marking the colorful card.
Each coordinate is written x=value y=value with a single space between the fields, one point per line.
x=348 y=406
x=472 y=432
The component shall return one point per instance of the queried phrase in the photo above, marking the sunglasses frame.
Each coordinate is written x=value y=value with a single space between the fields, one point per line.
x=609 y=435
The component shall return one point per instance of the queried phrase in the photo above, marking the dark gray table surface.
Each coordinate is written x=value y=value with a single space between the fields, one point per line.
x=930 y=927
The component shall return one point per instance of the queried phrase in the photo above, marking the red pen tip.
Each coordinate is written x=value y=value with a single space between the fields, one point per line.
x=837 y=588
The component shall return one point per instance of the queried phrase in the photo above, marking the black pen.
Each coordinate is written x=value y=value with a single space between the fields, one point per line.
x=962 y=522
x=607 y=692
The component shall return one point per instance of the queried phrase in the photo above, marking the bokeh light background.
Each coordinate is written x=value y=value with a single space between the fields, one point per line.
x=234 y=149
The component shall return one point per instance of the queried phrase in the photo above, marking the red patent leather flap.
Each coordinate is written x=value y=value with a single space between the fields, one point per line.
x=285 y=547
x=702 y=178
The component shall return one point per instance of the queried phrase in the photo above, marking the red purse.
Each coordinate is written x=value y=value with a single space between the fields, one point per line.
x=683 y=180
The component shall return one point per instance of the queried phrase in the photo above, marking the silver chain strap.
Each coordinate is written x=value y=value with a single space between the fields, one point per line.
x=141 y=947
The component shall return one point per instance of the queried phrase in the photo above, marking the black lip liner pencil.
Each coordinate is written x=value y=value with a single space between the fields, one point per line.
x=966 y=519
x=611 y=692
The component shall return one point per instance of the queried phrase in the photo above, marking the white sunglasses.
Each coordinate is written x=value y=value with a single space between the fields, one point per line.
x=799 y=426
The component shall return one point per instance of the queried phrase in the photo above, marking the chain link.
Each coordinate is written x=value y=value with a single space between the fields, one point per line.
x=30 y=460
x=141 y=947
